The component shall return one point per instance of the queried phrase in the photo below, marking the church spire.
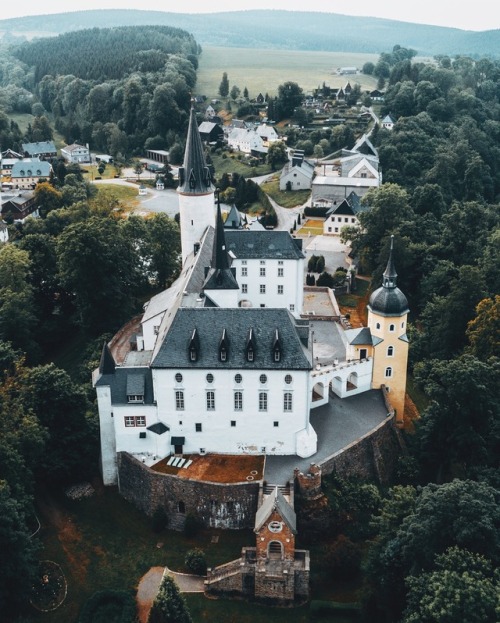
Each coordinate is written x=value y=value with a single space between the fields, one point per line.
x=390 y=274
x=194 y=175
x=220 y=260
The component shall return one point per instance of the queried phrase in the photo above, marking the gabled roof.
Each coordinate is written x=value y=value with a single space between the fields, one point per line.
x=233 y=220
x=159 y=428
x=363 y=164
x=209 y=322
x=118 y=384
x=388 y=119
x=107 y=364
x=263 y=245
x=194 y=175
x=74 y=147
x=44 y=147
x=31 y=168
x=220 y=276
x=207 y=126
x=276 y=502
x=365 y=146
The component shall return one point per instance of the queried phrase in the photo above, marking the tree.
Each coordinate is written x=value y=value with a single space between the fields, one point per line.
x=368 y=68
x=138 y=169
x=276 y=154
x=245 y=93
x=483 y=331
x=169 y=606
x=463 y=587
x=47 y=198
x=235 y=92
x=224 y=86
x=196 y=562
x=99 y=266
x=290 y=96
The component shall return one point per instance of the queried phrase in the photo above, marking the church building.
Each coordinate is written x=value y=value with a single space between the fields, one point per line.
x=222 y=362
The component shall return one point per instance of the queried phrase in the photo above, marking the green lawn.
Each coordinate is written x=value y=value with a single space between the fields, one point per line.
x=126 y=196
x=244 y=67
x=231 y=164
x=314 y=231
x=285 y=198
x=90 y=170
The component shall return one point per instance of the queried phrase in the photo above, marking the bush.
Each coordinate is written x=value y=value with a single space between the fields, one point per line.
x=311 y=264
x=343 y=558
x=325 y=280
x=109 y=607
x=320 y=264
x=196 y=562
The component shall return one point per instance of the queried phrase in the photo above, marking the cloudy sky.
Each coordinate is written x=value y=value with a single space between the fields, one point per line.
x=477 y=15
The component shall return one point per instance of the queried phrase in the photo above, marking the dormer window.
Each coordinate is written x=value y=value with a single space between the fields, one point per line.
x=206 y=176
x=224 y=346
x=194 y=346
x=250 y=354
x=250 y=346
x=192 y=180
x=277 y=348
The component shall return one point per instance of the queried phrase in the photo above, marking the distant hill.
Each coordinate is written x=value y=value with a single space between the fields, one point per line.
x=276 y=29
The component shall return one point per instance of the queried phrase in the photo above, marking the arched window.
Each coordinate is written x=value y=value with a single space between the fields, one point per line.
x=238 y=401
x=390 y=351
x=388 y=372
x=392 y=327
x=287 y=401
x=378 y=325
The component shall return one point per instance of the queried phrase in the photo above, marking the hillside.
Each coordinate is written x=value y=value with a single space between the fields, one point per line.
x=275 y=29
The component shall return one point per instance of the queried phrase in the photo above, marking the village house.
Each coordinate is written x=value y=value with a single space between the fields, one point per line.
x=297 y=174
x=18 y=206
x=42 y=150
x=25 y=174
x=75 y=154
x=343 y=213
x=211 y=132
x=388 y=122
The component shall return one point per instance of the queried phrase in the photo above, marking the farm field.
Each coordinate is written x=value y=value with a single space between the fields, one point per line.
x=308 y=69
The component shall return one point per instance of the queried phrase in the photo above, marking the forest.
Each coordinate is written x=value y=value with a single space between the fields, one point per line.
x=119 y=90
x=425 y=549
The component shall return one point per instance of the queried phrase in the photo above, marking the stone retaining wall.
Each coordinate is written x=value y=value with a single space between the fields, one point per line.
x=227 y=506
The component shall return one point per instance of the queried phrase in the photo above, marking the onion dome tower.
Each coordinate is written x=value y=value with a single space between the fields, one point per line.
x=196 y=192
x=387 y=321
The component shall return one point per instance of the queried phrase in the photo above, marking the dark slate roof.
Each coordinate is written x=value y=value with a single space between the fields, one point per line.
x=233 y=220
x=178 y=441
x=194 y=175
x=107 y=364
x=363 y=337
x=135 y=384
x=263 y=245
x=388 y=300
x=118 y=383
x=159 y=428
x=209 y=324
x=276 y=501
x=220 y=276
x=44 y=147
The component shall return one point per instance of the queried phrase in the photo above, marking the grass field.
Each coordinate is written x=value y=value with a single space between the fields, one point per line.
x=244 y=67
x=123 y=198
x=231 y=164
x=285 y=198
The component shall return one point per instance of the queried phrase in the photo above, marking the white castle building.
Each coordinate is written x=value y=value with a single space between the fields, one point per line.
x=223 y=360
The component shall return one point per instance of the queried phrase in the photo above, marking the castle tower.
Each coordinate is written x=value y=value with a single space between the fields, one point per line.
x=220 y=283
x=387 y=320
x=196 y=192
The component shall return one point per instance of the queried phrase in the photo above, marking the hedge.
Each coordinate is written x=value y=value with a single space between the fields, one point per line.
x=109 y=606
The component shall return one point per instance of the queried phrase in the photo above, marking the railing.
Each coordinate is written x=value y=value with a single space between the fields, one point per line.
x=331 y=367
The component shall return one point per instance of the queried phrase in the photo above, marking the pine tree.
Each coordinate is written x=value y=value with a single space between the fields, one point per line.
x=224 y=86
x=169 y=606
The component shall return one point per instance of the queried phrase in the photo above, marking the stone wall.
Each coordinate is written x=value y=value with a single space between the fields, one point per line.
x=309 y=484
x=227 y=506
x=371 y=457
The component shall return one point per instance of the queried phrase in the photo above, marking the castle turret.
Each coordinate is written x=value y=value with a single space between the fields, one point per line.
x=387 y=320
x=196 y=192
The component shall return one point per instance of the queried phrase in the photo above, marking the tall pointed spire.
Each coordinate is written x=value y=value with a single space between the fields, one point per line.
x=390 y=274
x=194 y=175
x=220 y=276
x=220 y=258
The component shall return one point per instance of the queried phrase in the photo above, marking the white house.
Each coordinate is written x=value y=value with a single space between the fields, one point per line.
x=297 y=174
x=343 y=214
x=75 y=153
x=388 y=122
x=245 y=140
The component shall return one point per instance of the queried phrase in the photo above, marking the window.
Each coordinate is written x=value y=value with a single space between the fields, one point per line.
x=329 y=229
x=250 y=354
x=210 y=378
x=179 y=401
x=275 y=424
x=390 y=351
x=336 y=230
x=292 y=307
x=280 y=289
x=388 y=373
x=262 y=262
x=288 y=379
x=287 y=401
x=353 y=220
x=244 y=288
x=377 y=325
x=210 y=401
x=277 y=355
x=262 y=401
x=280 y=272
x=233 y=423
x=392 y=327
x=135 y=420
x=223 y=354
x=262 y=271
x=244 y=271
x=402 y=325
x=192 y=354
x=238 y=378
x=339 y=219
x=243 y=262
x=238 y=401
x=197 y=427
x=346 y=220
x=135 y=398
x=178 y=377
x=263 y=379
x=262 y=288
x=280 y=262
x=156 y=329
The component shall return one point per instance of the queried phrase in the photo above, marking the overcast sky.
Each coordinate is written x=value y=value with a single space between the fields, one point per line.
x=476 y=15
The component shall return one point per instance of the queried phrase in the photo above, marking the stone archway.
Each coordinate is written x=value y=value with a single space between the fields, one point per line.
x=318 y=392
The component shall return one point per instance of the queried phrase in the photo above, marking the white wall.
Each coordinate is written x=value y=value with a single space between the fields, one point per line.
x=197 y=212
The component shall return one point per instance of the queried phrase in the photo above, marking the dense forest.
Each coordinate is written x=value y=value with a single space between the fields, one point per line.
x=277 y=29
x=119 y=90
x=428 y=546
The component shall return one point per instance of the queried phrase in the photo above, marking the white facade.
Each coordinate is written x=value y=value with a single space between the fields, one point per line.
x=271 y=283
x=197 y=212
x=75 y=153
